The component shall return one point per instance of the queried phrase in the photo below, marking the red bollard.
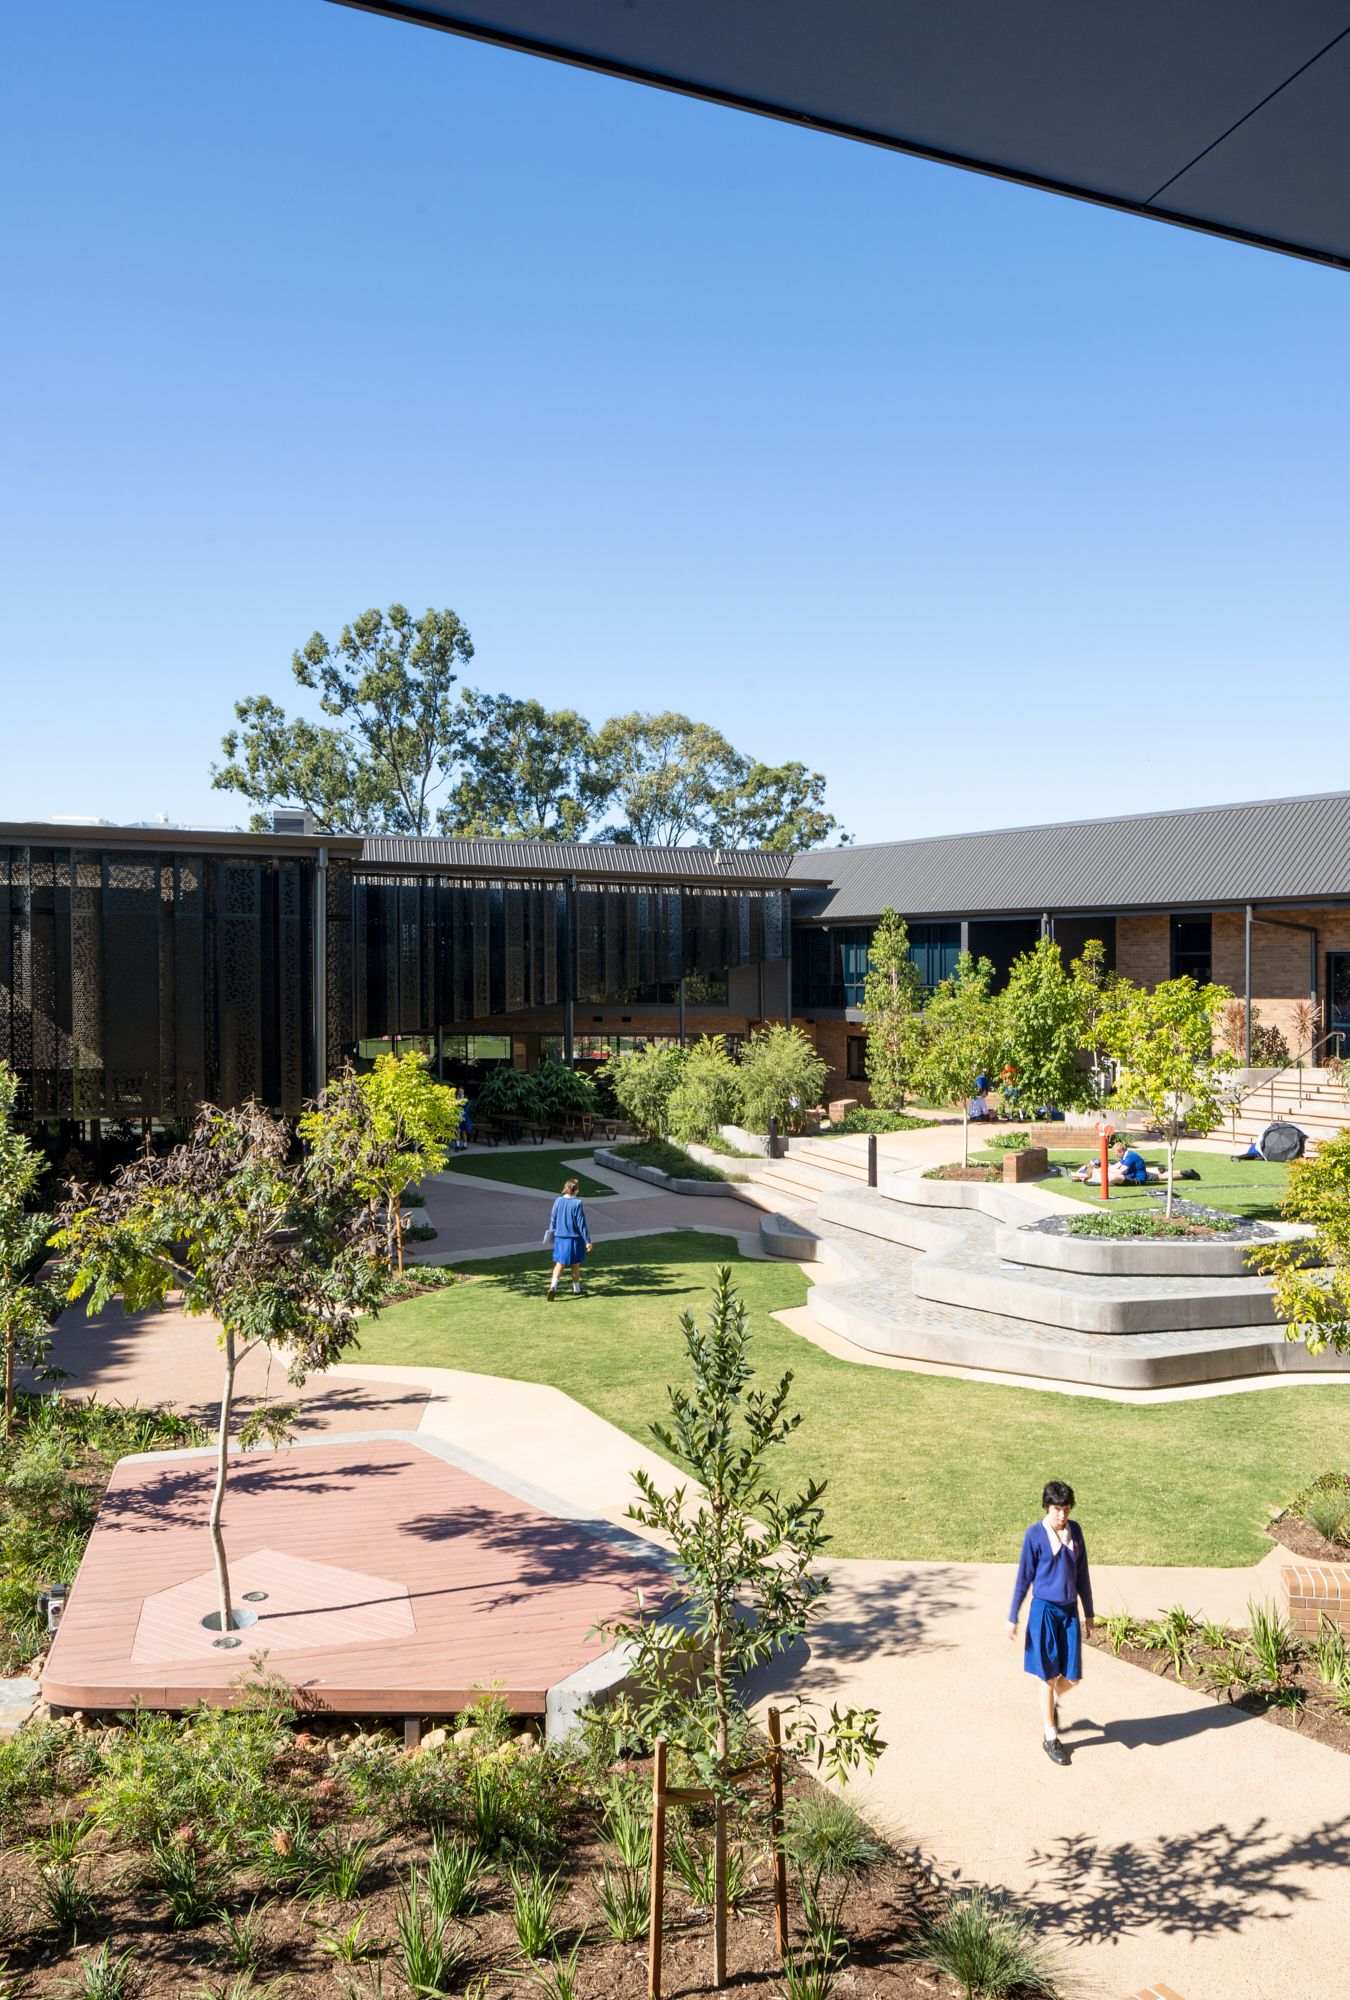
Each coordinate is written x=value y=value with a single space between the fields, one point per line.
x=1105 y=1133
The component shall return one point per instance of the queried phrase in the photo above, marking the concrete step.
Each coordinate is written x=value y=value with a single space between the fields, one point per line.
x=799 y=1176
x=846 y=1157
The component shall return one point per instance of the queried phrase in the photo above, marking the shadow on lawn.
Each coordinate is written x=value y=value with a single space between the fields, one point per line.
x=602 y=1280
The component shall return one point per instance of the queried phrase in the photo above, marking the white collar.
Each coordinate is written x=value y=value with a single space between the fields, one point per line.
x=1055 y=1543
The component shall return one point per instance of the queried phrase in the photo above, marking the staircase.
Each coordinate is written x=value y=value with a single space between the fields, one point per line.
x=1320 y=1108
x=813 y=1167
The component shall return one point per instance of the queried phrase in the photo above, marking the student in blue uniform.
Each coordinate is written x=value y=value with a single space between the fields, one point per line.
x=1054 y=1568
x=570 y=1236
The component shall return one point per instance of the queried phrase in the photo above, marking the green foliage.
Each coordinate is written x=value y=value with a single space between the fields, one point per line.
x=825 y=1839
x=556 y=1979
x=104 y=1975
x=393 y=739
x=694 y=1861
x=281 y=1254
x=1128 y=1222
x=865 y=1118
x=782 y=1077
x=534 y=1902
x=189 y=1878
x=626 y=1806
x=393 y=1125
x=456 y=1868
x=892 y=999
x=668 y=779
x=624 y=1895
x=429 y=1954
x=507 y=1094
x=243 y=1939
x=1163 y=1043
x=65 y=1899
x=529 y=772
x=53 y=1468
x=1271 y=1641
x=644 y=1081
x=707 y=1093
x=214 y=1772
x=960 y=1036
x=1331 y=1655
x=780 y=807
x=987 y=1948
x=1312 y=1281
x=670 y=1159
x=1329 y=1513
x=28 y=1303
x=1043 y=1031
x=564 y=1092
x=1008 y=1142
x=746 y=1555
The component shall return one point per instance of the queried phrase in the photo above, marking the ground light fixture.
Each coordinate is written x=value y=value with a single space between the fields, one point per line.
x=51 y=1603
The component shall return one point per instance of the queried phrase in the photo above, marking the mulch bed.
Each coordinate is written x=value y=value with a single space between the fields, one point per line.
x=964 y=1174
x=1317 y=1718
x=880 y=1911
x=1302 y=1539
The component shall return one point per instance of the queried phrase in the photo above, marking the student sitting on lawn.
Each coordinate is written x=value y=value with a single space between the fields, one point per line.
x=1130 y=1169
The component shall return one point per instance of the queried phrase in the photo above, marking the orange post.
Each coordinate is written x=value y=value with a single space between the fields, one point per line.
x=1105 y=1133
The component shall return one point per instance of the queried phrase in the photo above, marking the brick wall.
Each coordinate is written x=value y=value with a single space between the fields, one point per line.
x=1312 y=1591
x=831 y=1039
x=1144 y=949
x=1281 y=969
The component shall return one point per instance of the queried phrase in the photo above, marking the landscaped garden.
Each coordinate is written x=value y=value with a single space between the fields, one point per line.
x=896 y=1447
x=1245 y=1187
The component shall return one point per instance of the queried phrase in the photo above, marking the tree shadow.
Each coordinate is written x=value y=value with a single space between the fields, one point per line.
x=1194 y=1883
x=603 y=1280
x=867 y=1619
x=544 y=1551
x=177 y=1494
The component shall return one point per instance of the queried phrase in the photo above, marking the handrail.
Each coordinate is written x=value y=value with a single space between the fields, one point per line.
x=1235 y=1104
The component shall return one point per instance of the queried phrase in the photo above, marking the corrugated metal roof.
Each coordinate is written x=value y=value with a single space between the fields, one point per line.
x=594 y=859
x=1267 y=850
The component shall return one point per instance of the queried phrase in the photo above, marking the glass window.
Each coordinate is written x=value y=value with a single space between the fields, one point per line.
x=1192 y=948
x=855 y=1058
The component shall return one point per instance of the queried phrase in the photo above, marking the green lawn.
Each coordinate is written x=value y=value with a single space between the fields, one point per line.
x=1252 y=1187
x=918 y=1465
x=538 y=1167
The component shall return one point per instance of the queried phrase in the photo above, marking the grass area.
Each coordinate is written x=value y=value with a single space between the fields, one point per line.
x=671 y=1160
x=538 y=1167
x=918 y=1465
x=1249 y=1187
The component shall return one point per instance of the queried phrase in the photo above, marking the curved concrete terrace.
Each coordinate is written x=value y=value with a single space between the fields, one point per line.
x=920 y=1269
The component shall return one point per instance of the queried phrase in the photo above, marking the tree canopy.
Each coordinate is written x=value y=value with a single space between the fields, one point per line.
x=892 y=998
x=400 y=747
x=1163 y=1042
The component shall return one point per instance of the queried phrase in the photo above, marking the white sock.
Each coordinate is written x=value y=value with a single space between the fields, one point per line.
x=577 y=1288
x=1051 y=1733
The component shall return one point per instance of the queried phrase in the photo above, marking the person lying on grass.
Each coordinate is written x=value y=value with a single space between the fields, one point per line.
x=1127 y=1168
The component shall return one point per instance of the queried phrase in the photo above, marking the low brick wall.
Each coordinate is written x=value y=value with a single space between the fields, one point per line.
x=1156 y=1992
x=1313 y=1591
x=1031 y=1164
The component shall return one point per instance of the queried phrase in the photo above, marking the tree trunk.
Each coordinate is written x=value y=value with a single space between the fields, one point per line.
x=1171 y=1172
x=396 y=1235
x=218 y=1496
x=965 y=1133
x=720 y=1824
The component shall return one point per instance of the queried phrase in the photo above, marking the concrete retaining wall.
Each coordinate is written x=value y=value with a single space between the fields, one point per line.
x=674 y=1184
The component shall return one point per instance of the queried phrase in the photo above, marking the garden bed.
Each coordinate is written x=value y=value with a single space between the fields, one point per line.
x=974 y=1172
x=1188 y=1223
x=1316 y=1525
x=234 y=1847
x=1266 y=1671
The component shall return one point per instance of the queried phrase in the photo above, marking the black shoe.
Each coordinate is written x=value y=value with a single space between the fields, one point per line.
x=551 y=1293
x=1055 y=1750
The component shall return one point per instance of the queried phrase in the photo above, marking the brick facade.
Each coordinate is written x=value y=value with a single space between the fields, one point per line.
x=1283 y=965
x=1313 y=1591
x=831 y=1038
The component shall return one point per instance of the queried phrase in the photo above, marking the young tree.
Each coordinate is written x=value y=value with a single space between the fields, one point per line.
x=388 y=685
x=1043 y=1030
x=708 y=1093
x=746 y=1558
x=781 y=1077
x=892 y=1000
x=395 y=1123
x=1163 y=1042
x=960 y=1036
x=28 y=1303
x=282 y=1255
x=1312 y=1277
x=644 y=1081
x=1094 y=986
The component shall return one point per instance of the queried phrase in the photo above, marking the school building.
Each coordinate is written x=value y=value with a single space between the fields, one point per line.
x=143 y=970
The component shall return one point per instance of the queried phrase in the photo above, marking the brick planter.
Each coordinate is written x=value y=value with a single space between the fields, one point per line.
x=1031 y=1164
x=1312 y=1591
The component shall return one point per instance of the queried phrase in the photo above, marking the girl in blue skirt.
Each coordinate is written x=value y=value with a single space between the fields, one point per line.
x=1054 y=1568
x=570 y=1236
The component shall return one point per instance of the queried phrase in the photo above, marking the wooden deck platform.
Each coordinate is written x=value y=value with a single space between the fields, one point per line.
x=388 y=1574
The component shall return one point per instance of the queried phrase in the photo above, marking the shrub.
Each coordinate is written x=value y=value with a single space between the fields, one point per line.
x=1124 y=1222
x=782 y=1077
x=455 y=1871
x=670 y=1159
x=1008 y=1142
x=507 y=1093
x=104 y=1975
x=534 y=1900
x=826 y=1839
x=429 y=1956
x=643 y=1083
x=866 y=1118
x=564 y=1092
x=990 y=1951
x=1329 y=1513
x=213 y=1771
x=625 y=1901
x=708 y=1093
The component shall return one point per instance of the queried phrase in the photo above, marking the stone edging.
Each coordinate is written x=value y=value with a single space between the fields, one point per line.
x=1124 y=1256
x=673 y=1184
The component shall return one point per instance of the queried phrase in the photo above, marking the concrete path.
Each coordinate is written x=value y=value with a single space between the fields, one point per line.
x=1186 y=1842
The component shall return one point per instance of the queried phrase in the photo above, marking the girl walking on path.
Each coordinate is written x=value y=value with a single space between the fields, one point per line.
x=1054 y=1568
x=570 y=1236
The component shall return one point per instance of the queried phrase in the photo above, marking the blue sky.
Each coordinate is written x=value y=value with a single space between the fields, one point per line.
x=993 y=506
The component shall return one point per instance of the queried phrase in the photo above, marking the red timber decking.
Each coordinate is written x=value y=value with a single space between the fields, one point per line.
x=398 y=1580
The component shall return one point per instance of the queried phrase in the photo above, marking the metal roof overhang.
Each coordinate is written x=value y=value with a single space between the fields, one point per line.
x=1227 y=116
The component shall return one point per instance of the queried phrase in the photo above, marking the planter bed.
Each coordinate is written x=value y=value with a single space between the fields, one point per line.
x=658 y=1177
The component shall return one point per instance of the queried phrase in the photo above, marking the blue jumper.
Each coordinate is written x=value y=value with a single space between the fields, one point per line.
x=1061 y=1578
x=568 y=1226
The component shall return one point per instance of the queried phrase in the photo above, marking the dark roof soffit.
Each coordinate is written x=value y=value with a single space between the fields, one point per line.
x=172 y=839
x=1227 y=119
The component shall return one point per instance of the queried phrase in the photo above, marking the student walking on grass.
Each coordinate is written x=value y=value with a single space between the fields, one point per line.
x=1054 y=1568
x=570 y=1236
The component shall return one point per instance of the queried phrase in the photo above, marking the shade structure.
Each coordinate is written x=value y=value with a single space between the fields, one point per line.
x=1228 y=116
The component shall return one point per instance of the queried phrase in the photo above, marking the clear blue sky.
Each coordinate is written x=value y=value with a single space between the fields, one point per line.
x=996 y=507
